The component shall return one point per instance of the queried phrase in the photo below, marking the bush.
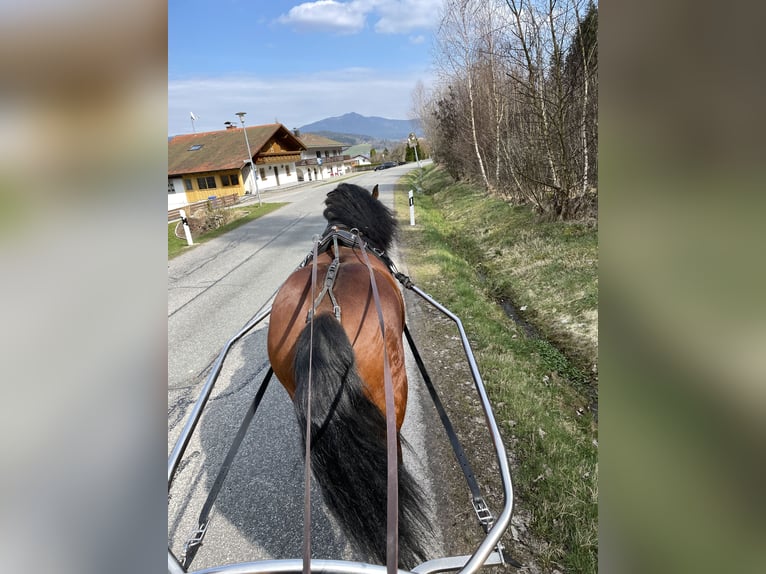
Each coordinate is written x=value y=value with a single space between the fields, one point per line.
x=208 y=218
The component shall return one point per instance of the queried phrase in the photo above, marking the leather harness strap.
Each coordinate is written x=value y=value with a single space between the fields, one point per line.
x=392 y=518
x=307 y=454
x=329 y=283
x=193 y=544
x=352 y=239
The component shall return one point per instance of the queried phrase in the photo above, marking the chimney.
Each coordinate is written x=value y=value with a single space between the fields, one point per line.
x=297 y=132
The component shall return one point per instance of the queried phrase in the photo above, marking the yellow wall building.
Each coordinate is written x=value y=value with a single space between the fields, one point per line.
x=203 y=165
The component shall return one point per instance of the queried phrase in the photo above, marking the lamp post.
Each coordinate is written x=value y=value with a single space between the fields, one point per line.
x=249 y=155
x=413 y=140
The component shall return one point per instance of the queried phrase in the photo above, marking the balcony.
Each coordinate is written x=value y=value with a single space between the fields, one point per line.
x=332 y=160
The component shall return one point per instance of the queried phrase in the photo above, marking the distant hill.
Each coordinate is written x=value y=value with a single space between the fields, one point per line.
x=364 y=127
x=359 y=149
x=348 y=139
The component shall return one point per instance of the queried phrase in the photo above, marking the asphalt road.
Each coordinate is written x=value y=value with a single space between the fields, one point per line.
x=213 y=291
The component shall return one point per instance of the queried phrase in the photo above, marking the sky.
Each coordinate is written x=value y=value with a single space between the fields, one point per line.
x=295 y=62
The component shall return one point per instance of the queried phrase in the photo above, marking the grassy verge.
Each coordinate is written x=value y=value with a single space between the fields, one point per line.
x=177 y=246
x=469 y=250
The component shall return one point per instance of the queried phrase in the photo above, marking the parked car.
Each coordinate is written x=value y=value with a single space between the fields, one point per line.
x=386 y=165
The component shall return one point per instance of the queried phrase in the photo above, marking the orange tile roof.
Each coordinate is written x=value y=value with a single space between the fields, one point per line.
x=224 y=149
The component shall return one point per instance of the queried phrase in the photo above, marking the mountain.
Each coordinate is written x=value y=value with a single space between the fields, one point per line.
x=370 y=127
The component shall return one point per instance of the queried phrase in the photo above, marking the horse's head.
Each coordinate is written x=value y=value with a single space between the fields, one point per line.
x=353 y=206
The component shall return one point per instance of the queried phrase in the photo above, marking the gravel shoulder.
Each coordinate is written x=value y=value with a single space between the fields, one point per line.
x=438 y=343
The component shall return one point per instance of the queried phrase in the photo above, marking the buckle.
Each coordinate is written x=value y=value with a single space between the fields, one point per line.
x=195 y=540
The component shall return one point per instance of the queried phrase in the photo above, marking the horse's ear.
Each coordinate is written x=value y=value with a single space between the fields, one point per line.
x=375 y=192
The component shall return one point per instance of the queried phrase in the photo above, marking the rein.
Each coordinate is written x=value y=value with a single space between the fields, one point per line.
x=307 y=454
x=351 y=238
x=392 y=519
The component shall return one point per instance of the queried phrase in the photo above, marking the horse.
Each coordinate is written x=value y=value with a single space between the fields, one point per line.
x=348 y=405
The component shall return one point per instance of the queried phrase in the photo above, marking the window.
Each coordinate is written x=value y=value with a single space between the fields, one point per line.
x=319 y=154
x=195 y=147
x=171 y=187
x=263 y=174
x=326 y=153
x=287 y=169
x=188 y=185
x=227 y=180
x=206 y=182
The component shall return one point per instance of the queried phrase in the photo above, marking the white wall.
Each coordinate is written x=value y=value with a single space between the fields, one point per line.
x=271 y=180
x=247 y=181
x=177 y=199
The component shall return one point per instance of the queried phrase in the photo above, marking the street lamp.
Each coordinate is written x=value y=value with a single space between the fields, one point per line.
x=413 y=141
x=249 y=155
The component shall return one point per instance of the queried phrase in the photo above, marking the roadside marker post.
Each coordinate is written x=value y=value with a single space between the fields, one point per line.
x=187 y=231
x=412 y=208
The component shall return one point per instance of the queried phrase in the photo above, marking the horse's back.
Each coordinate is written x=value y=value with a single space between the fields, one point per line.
x=359 y=318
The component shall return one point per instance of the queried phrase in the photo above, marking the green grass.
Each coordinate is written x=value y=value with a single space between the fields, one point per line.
x=467 y=250
x=177 y=246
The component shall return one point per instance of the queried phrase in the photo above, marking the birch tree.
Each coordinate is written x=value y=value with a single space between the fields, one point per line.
x=457 y=41
x=517 y=106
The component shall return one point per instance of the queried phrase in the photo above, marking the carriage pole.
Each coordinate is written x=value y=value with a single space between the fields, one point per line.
x=484 y=550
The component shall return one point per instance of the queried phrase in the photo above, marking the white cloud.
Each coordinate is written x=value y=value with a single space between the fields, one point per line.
x=403 y=16
x=291 y=100
x=419 y=39
x=327 y=15
x=393 y=16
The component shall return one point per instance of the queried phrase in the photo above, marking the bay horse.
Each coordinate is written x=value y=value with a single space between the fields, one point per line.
x=348 y=406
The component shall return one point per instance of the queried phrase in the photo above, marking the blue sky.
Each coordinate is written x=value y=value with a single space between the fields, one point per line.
x=295 y=62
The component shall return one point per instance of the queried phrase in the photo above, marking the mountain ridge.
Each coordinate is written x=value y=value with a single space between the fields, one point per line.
x=369 y=127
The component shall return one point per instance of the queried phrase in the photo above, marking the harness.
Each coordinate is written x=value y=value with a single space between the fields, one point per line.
x=335 y=235
x=351 y=238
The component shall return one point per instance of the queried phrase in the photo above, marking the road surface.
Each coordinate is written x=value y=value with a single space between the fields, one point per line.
x=214 y=290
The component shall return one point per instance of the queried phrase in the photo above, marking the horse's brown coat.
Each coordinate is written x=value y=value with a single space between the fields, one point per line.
x=359 y=319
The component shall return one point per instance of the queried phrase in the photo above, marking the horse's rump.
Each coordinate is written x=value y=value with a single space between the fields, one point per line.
x=358 y=318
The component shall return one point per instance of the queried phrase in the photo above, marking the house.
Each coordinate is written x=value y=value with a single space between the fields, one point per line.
x=217 y=163
x=360 y=159
x=360 y=149
x=322 y=158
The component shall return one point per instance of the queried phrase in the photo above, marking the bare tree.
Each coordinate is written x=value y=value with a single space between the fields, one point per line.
x=517 y=106
x=491 y=24
x=544 y=38
x=581 y=71
x=420 y=102
x=457 y=40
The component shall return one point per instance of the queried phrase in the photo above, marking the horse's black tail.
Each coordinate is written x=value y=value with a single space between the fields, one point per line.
x=348 y=448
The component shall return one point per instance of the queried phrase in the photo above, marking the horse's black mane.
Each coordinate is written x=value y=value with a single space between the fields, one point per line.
x=354 y=207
